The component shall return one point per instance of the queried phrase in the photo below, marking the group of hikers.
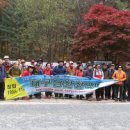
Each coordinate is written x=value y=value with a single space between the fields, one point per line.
x=118 y=92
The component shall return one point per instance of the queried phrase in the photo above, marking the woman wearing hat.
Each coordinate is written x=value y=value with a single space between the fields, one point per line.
x=119 y=75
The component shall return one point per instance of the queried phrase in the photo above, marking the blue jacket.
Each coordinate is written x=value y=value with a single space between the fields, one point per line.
x=3 y=74
x=59 y=70
x=88 y=73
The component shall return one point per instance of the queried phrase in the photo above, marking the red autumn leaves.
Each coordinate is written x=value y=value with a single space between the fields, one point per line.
x=105 y=29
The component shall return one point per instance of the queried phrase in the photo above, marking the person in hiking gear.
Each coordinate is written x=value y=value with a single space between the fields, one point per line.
x=111 y=90
x=127 y=82
x=119 y=75
x=6 y=64
x=38 y=71
x=71 y=70
x=59 y=70
x=27 y=72
x=80 y=73
x=3 y=75
x=48 y=71
x=105 y=90
x=88 y=73
x=14 y=71
x=98 y=74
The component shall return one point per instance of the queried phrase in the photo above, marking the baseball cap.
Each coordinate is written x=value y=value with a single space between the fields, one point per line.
x=119 y=66
x=71 y=62
x=112 y=64
x=6 y=57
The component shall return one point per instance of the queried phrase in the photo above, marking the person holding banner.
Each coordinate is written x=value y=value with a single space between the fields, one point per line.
x=98 y=74
x=3 y=75
x=119 y=75
x=48 y=71
x=59 y=70
x=38 y=71
x=80 y=73
x=89 y=74
x=111 y=89
x=105 y=90
x=27 y=72
x=71 y=70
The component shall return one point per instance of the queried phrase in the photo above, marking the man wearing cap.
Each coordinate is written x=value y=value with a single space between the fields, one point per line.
x=119 y=75
x=3 y=75
x=33 y=62
x=71 y=69
x=22 y=66
x=127 y=82
x=6 y=63
x=59 y=70
x=65 y=64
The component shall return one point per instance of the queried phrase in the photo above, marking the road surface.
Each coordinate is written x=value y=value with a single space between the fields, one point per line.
x=64 y=116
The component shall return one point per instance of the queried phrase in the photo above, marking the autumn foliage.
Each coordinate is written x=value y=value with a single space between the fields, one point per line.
x=105 y=33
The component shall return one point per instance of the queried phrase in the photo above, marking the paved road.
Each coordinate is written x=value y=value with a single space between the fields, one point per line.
x=64 y=116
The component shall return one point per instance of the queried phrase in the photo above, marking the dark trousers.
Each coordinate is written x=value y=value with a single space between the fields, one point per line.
x=100 y=92
x=68 y=95
x=128 y=88
x=89 y=95
x=2 y=88
x=58 y=95
x=80 y=97
x=109 y=92
x=38 y=95
x=125 y=89
x=48 y=94
x=112 y=91
x=119 y=90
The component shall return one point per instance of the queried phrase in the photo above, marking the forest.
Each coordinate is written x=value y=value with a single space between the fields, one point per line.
x=64 y=29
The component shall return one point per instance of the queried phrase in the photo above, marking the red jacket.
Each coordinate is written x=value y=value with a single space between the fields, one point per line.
x=79 y=73
x=26 y=73
x=47 y=72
